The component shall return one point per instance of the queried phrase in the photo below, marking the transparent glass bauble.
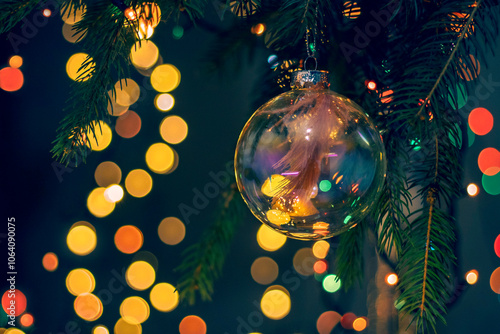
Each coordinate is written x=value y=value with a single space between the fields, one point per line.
x=310 y=163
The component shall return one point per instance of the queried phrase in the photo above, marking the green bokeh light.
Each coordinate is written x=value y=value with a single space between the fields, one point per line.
x=491 y=184
x=331 y=283
x=461 y=96
x=471 y=136
x=459 y=135
x=325 y=185
x=178 y=32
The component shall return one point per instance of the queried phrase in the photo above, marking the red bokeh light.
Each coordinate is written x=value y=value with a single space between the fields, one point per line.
x=27 y=320
x=497 y=246
x=489 y=161
x=320 y=266
x=11 y=79
x=480 y=121
x=347 y=320
x=13 y=302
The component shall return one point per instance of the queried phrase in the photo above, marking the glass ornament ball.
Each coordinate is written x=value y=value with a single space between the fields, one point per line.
x=310 y=163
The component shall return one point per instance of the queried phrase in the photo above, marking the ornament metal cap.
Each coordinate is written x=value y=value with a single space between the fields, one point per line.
x=309 y=79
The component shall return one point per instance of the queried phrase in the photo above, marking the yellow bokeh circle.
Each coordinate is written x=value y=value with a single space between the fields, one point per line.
x=88 y=306
x=127 y=92
x=144 y=54
x=134 y=310
x=173 y=129
x=269 y=239
x=74 y=67
x=276 y=304
x=165 y=78
x=140 y=275
x=80 y=281
x=160 y=158
x=100 y=138
x=97 y=203
x=81 y=240
x=164 y=297
x=138 y=183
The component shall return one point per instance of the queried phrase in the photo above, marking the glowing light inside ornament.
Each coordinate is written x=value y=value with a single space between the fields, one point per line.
x=171 y=231
x=138 y=183
x=128 y=239
x=50 y=261
x=276 y=303
x=124 y=327
x=480 y=121
x=331 y=283
x=164 y=297
x=164 y=102
x=471 y=276
x=192 y=324
x=309 y=160
x=134 y=310
x=97 y=203
x=100 y=137
x=81 y=239
x=74 y=67
x=11 y=79
x=80 y=281
x=140 y=275
x=173 y=129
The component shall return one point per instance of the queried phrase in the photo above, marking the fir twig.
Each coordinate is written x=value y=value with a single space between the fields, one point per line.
x=203 y=261
x=13 y=11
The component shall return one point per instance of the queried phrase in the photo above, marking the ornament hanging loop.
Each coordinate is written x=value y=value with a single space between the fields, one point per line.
x=315 y=63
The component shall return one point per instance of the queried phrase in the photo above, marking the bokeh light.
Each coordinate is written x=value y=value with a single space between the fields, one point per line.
x=107 y=173
x=165 y=78
x=16 y=61
x=173 y=129
x=386 y=96
x=496 y=245
x=98 y=205
x=391 y=279
x=320 y=249
x=128 y=239
x=11 y=330
x=327 y=321
x=27 y=320
x=72 y=15
x=100 y=329
x=351 y=10
x=128 y=125
x=11 y=79
x=472 y=189
x=113 y=193
x=138 y=183
x=74 y=64
x=177 y=32
x=46 y=12
x=469 y=72
x=134 y=310
x=371 y=85
x=461 y=96
x=123 y=327
x=480 y=121
x=160 y=158
x=100 y=138
x=471 y=276
x=270 y=240
x=50 y=261
x=264 y=270
x=320 y=266
x=144 y=54
x=80 y=281
x=303 y=261
x=192 y=324
x=489 y=161
x=115 y=109
x=164 y=297
x=273 y=185
x=495 y=281
x=18 y=299
x=258 y=29
x=81 y=239
x=164 y=102
x=491 y=184
x=69 y=33
x=88 y=306
x=347 y=320
x=331 y=283
x=171 y=230
x=140 y=275
x=127 y=92
x=276 y=303
x=360 y=324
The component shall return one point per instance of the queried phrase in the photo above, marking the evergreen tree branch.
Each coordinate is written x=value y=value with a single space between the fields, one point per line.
x=203 y=262
x=13 y=11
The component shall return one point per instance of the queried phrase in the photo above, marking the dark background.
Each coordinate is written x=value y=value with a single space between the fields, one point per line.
x=215 y=107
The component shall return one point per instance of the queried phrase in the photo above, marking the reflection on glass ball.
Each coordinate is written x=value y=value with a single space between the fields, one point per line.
x=310 y=163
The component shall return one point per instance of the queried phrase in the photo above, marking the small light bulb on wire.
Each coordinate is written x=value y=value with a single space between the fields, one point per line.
x=371 y=85
x=130 y=14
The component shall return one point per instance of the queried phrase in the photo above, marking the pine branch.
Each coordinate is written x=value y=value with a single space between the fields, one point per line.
x=203 y=262
x=13 y=11
x=349 y=255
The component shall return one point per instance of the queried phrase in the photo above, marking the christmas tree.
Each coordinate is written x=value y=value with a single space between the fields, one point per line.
x=411 y=65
